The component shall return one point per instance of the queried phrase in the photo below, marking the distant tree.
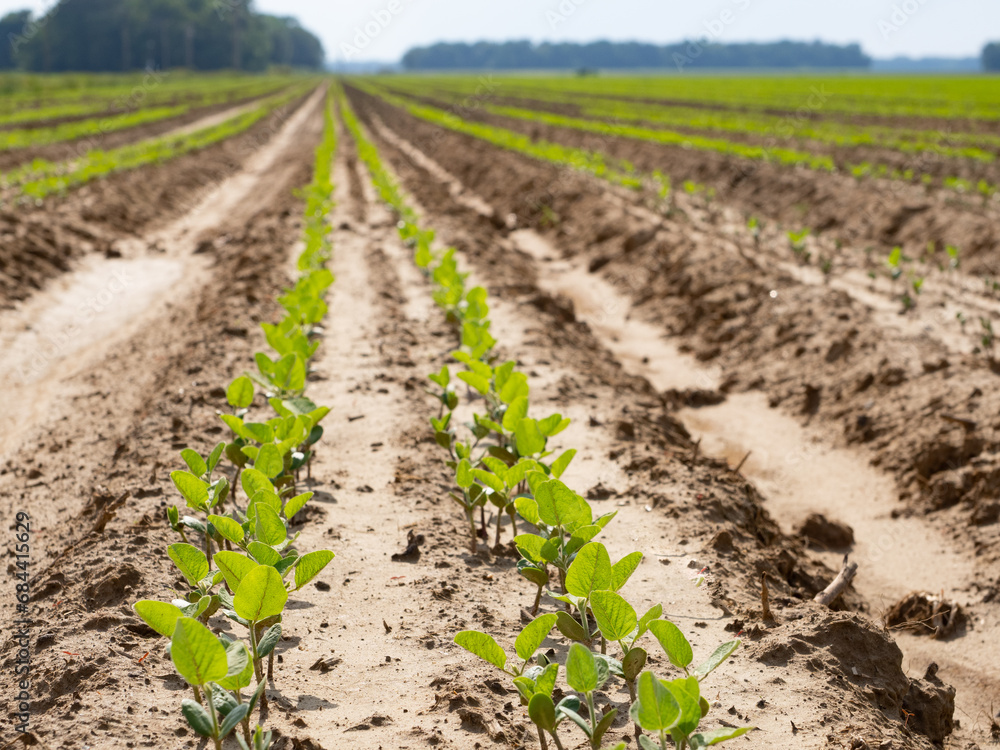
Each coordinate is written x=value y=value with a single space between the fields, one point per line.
x=991 y=57
x=114 y=35
x=625 y=55
x=14 y=28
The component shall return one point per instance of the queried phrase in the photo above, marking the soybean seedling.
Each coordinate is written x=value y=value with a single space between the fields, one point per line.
x=202 y=660
x=586 y=674
x=675 y=708
x=199 y=491
x=535 y=683
x=797 y=241
x=566 y=523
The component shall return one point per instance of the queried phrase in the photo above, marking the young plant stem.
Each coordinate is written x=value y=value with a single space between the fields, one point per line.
x=474 y=542
x=541 y=738
x=270 y=667
x=183 y=535
x=208 y=548
x=513 y=520
x=538 y=601
x=253 y=652
x=215 y=719
x=496 y=542
x=593 y=718
x=555 y=738
x=197 y=694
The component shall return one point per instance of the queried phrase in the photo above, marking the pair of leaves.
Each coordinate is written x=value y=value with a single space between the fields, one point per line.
x=528 y=641
x=679 y=651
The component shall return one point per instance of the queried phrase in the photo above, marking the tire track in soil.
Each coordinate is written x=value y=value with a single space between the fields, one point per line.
x=117 y=427
x=800 y=474
x=466 y=231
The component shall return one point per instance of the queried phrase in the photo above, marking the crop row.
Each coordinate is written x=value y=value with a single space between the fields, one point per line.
x=781 y=156
x=42 y=178
x=946 y=143
x=247 y=560
x=615 y=171
x=938 y=96
x=505 y=460
x=122 y=99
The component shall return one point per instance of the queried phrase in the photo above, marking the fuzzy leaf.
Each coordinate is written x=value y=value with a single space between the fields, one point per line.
x=194 y=490
x=197 y=717
x=270 y=529
x=260 y=595
x=194 y=462
x=581 y=669
x=707 y=739
x=269 y=461
x=160 y=616
x=190 y=560
x=296 y=504
x=234 y=567
x=228 y=528
x=622 y=570
x=674 y=643
x=655 y=708
x=483 y=646
x=590 y=571
x=615 y=617
x=718 y=656
x=310 y=565
x=197 y=654
x=269 y=640
x=239 y=394
x=533 y=635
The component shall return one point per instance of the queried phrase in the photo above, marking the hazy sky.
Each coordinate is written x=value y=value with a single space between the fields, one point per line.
x=884 y=28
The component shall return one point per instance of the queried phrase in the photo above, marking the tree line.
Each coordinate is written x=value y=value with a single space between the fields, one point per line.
x=991 y=57
x=611 y=55
x=123 y=35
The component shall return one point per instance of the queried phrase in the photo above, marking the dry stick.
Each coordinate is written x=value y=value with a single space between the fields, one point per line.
x=740 y=464
x=765 y=604
x=828 y=595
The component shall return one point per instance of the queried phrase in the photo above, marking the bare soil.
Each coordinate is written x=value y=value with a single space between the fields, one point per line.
x=620 y=331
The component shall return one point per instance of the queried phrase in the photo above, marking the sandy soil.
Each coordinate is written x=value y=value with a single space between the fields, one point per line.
x=609 y=336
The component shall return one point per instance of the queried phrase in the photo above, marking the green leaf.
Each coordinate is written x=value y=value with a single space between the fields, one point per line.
x=254 y=481
x=260 y=595
x=190 y=560
x=615 y=617
x=228 y=528
x=233 y=719
x=463 y=474
x=633 y=663
x=688 y=696
x=527 y=508
x=270 y=529
x=560 y=465
x=558 y=505
x=647 y=743
x=570 y=628
x=581 y=669
x=483 y=646
x=264 y=554
x=296 y=504
x=236 y=425
x=197 y=717
x=718 y=656
x=542 y=711
x=477 y=382
x=530 y=546
x=198 y=655
x=622 y=570
x=195 y=462
x=310 y=565
x=194 y=490
x=160 y=616
x=546 y=681
x=239 y=394
x=240 y=671
x=654 y=613
x=604 y=725
x=528 y=439
x=655 y=708
x=269 y=640
x=590 y=571
x=515 y=386
x=707 y=739
x=234 y=567
x=533 y=635
x=674 y=643
x=214 y=456
x=269 y=461
x=517 y=411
